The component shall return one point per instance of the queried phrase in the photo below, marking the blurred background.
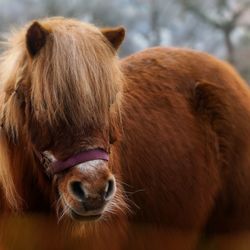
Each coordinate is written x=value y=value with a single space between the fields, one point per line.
x=220 y=27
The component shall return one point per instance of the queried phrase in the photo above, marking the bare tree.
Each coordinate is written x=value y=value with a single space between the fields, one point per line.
x=223 y=15
x=154 y=17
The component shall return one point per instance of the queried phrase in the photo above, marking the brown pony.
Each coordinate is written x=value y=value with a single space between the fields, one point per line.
x=153 y=149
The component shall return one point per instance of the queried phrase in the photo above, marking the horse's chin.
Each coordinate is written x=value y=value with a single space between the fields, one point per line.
x=81 y=217
x=72 y=213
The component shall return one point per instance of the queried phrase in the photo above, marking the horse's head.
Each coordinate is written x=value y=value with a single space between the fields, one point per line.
x=61 y=93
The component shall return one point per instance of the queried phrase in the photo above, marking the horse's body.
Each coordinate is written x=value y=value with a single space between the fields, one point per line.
x=181 y=155
x=188 y=125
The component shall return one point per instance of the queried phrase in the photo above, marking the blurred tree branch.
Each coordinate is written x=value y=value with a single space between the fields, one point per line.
x=226 y=25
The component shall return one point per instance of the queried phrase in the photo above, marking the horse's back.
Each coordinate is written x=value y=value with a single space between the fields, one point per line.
x=179 y=68
x=186 y=142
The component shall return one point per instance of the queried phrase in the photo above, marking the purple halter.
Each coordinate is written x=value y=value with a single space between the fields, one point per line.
x=89 y=155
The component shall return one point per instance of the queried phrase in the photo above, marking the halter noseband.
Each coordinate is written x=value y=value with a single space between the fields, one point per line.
x=56 y=167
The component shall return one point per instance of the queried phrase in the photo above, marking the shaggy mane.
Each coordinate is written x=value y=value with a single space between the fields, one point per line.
x=74 y=60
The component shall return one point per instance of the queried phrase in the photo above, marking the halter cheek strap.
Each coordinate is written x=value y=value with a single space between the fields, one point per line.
x=89 y=155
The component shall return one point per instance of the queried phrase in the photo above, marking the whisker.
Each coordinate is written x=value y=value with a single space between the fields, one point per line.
x=65 y=210
x=135 y=192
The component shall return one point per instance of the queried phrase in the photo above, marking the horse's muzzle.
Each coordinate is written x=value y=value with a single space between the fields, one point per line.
x=87 y=189
x=91 y=205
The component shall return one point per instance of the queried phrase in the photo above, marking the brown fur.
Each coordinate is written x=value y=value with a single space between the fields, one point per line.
x=179 y=121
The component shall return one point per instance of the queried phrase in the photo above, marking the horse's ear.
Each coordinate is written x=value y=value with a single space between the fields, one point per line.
x=35 y=38
x=114 y=35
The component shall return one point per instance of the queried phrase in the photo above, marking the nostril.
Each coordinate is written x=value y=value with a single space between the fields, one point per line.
x=77 y=189
x=109 y=189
